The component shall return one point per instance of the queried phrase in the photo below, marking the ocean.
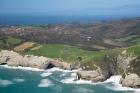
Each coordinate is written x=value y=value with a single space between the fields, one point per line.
x=37 y=20
x=29 y=80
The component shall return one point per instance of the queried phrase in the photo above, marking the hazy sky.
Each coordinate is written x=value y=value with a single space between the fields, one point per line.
x=54 y=7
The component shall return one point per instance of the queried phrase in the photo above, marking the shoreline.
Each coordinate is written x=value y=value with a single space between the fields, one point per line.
x=44 y=64
x=21 y=68
x=113 y=79
x=37 y=69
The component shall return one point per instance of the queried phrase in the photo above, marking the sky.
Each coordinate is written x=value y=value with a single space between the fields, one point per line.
x=70 y=7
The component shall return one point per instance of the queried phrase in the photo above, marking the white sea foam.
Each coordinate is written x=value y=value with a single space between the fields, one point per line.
x=72 y=78
x=113 y=79
x=73 y=75
x=58 y=69
x=37 y=69
x=18 y=80
x=118 y=87
x=62 y=75
x=22 y=68
x=5 y=83
x=46 y=74
x=45 y=83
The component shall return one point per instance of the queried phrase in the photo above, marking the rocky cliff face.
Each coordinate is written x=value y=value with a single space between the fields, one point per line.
x=130 y=69
x=11 y=58
x=124 y=64
x=95 y=72
x=97 y=75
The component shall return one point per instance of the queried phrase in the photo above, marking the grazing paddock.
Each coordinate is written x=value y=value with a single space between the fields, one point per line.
x=24 y=46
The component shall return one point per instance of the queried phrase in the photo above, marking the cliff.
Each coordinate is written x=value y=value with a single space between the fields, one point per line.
x=11 y=58
x=123 y=64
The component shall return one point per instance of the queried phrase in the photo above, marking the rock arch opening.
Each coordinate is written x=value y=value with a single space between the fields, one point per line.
x=3 y=64
x=50 y=65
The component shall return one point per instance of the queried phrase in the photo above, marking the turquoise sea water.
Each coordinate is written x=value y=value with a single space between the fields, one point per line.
x=50 y=81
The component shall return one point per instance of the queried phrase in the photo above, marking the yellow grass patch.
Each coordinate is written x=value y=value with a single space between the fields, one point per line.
x=24 y=46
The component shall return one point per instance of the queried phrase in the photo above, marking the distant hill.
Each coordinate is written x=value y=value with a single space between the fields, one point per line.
x=92 y=36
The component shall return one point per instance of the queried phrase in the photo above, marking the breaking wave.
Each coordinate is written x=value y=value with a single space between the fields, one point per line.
x=22 y=68
x=118 y=87
x=46 y=74
x=71 y=79
x=18 y=80
x=114 y=80
x=5 y=83
x=45 y=83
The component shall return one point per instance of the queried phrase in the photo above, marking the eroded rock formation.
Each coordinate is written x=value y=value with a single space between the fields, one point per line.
x=14 y=59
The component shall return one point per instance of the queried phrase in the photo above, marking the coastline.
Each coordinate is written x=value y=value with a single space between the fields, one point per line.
x=70 y=80
x=37 y=69
x=13 y=60
x=21 y=68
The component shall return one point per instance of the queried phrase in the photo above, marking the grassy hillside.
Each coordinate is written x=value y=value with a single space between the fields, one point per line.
x=135 y=39
x=94 y=36
x=135 y=50
x=66 y=53
x=8 y=42
x=88 y=59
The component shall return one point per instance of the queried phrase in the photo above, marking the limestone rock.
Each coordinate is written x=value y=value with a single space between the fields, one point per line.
x=131 y=80
x=94 y=76
x=14 y=59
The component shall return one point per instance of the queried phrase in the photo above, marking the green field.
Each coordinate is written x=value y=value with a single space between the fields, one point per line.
x=71 y=54
x=135 y=39
x=8 y=42
x=135 y=50
x=67 y=53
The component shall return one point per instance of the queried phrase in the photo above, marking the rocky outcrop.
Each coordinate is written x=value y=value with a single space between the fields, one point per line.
x=11 y=58
x=126 y=65
x=94 y=76
x=129 y=65
x=131 y=80
x=97 y=75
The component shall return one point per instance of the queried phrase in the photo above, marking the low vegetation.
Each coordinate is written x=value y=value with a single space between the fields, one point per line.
x=135 y=50
x=9 y=42
x=24 y=46
x=64 y=52
x=135 y=39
